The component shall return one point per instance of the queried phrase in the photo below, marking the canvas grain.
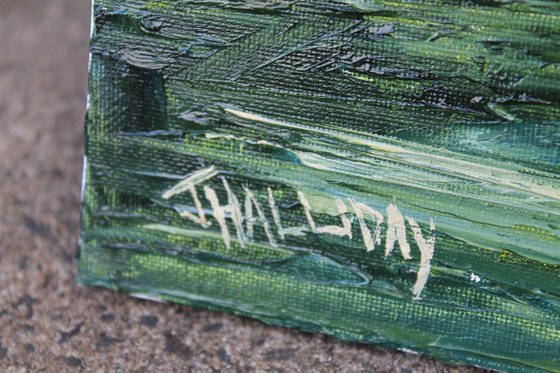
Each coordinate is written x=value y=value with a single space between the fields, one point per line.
x=384 y=172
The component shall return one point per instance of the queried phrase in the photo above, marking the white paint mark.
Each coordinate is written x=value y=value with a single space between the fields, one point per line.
x=307 y=209
x=92 y=23
x=201 y=218
x=84 y=176
x=250 y=201
x=423 y=157
x=91 y=31
x=475 y=278
x=189 y=184
x=376 y=145
x=190 y=180
x=179 y=231
x=359 y=210
x=234 y=209
x=343 y=211
x=409 y=351
x=346 y=229
x=149 y=297
x=396 y=231
x=295 y=231
x=212 y=136
x=275 y=214
x=219 y=213
x=250 y=220
x=426 y=254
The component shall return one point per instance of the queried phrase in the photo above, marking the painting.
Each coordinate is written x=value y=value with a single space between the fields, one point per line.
x=386 y=172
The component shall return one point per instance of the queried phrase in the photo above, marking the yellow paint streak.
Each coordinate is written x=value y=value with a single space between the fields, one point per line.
x=218 y=213
x=190 y=180
x=252 y=201
x=275 y=213
x=189 y=184
x=359 y=210
x=427 y=248
x=424 y=157
x=396 y=231
x=234 y=209
x=307 y=210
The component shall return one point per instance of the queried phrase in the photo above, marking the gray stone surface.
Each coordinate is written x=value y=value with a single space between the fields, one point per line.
x=49 y=324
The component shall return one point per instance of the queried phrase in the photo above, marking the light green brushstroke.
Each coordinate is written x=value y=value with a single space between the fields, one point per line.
x=448 y=110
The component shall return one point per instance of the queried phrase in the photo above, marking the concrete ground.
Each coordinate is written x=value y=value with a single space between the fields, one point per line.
x=47 y=323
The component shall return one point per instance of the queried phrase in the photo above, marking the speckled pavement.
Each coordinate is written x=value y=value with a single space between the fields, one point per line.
x=47 y=322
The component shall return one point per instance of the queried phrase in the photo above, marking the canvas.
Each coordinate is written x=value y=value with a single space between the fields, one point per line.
x=381 y=171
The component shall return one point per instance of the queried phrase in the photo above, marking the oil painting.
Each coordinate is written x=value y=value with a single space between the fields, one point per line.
x=380 y=171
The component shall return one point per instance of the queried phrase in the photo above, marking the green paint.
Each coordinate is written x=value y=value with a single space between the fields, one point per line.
x=319 y=115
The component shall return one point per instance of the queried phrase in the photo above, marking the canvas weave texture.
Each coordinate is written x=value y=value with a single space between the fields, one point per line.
x=381 y=171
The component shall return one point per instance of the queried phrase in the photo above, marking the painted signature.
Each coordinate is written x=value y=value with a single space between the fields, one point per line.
x=253 y=214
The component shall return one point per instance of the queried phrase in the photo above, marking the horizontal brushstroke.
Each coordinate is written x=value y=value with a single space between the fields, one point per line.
x=383 y=171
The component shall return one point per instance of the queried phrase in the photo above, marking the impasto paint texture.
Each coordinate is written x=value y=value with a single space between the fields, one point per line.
x=381 y=171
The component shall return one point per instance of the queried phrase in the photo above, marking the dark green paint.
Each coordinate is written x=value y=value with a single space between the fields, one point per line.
x=449 y=110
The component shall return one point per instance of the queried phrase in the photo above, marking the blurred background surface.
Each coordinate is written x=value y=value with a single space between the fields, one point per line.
x=47 y=323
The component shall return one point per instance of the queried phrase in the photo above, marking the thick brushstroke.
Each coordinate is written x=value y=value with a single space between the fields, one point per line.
x=384 y=171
